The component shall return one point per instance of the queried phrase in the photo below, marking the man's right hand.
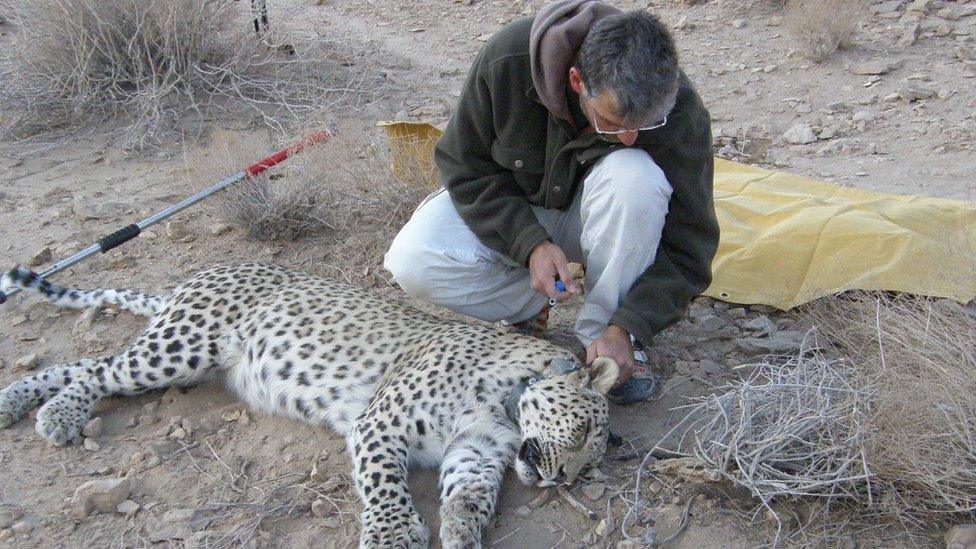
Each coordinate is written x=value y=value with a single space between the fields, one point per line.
x=546 y=262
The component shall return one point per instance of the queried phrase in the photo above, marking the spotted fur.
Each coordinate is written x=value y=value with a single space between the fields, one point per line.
x=401 y=385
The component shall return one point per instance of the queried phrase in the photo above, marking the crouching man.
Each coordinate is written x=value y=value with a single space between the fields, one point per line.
x=576 y=138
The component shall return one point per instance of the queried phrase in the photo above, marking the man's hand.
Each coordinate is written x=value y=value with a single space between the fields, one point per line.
x=546 y=262
x=614 y=343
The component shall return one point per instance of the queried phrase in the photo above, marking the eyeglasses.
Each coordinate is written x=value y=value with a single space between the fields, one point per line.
x=653 y=126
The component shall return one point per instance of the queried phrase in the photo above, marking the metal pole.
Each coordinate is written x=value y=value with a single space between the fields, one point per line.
x=129 y=232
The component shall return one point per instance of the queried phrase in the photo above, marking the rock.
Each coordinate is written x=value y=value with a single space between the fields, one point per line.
x=178 y=434
x=594 y=490
x=761 y=326
x=800 y=134
x=778 y=342
x=864 y=116
x=711 y=323
x=91 y=445
x=602 y=528
x=94 y=209
x=710 y=367
x=890 y=6
x=40 y=258
x=920 y=6
x=961 y=537
x=9 y=514
x=910 y=36
x=176 y=230
x=127 y=507
x=18 y=319
x=738 y=23
x=27 y=362
x=914 y=91
x=736 y=312
x=6 y=534
x=93 y=428
x=626 y=544
x=22 y=527
x=319 y=472
x=101 y=495
x=230 y=415
x=948 y=13
x=177 y=524
x=332 y=522
x=218 y=229
x=875 y=67
x=523 y=511
x=322 y=508
x=684 y=24
x=150 y=408
x=85 y=321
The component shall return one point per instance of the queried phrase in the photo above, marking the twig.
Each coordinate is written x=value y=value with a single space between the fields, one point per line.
x=575 y=503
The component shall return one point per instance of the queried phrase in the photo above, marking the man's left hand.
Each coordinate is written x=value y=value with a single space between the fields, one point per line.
x=614 y=343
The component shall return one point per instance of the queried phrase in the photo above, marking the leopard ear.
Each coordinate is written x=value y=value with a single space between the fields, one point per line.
x=603 y=374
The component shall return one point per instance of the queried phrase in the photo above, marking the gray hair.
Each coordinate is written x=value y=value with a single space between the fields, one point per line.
x=632 y=56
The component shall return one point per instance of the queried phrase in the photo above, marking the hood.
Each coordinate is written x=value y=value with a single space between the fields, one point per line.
x=557 y=33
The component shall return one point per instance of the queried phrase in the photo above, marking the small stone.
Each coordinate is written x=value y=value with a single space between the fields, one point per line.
x=101 y=495
x=218 y=229
x=230 y=415
x=910 y=36
x=864 y=116
x=711 y=323
x=91 y=445
x=85 y=321
x=914 y=91
x=948 y=13
x=710 y=367
x=800 y=134
x=875 y=67
x=178 y=434
x=93 y=428
x=244 y=419
x=920 y=6
x=779 y=342
x=890 y=6
x=177 y=524
x=684 y=24
x=962 y=536
x=27 y=362
x=97 y=209
x=736 y=312
x=18 y=319
x=761 y=324
x=6 y=534
x=594 y=490
x=332 y=522
x=9 y=514
x=322 y=508
x=602 y=528
x=176 y=230
x=22 y=527
x=523 y=511
x=738 y=23
x=40 y=258
x=150 y=408
x=319 y=472
x=626 y=544
x=127 y=507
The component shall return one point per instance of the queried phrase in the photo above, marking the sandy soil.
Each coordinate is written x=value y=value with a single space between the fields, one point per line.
x=246 y=478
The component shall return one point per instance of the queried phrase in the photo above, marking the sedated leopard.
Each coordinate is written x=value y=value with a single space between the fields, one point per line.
x=403 y=386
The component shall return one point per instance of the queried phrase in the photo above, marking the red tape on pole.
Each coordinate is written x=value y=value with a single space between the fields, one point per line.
x=281 y=155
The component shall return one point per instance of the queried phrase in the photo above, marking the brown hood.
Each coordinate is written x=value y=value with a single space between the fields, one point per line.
x=557 y=34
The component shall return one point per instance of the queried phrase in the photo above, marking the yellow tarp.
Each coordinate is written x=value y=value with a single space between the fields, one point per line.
x=787 y=239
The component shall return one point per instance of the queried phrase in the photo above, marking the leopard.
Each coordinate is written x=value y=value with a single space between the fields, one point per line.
x=404 y=387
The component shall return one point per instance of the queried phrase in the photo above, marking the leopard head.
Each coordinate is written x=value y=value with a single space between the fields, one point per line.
x=565 y=423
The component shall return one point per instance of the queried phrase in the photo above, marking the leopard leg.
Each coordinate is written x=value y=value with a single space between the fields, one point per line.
x=471 y=476
x=25 y=394
x=389 y=519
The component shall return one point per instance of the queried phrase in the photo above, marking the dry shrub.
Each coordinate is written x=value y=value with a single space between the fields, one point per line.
x=165 y=63
x=920 y=356
x=341 y=187
x=823 y=26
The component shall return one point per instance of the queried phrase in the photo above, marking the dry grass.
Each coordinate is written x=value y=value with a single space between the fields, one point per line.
x=341 y=188
x=920 y=355
x=877 y=427
x=823 y=26
x=167 y=65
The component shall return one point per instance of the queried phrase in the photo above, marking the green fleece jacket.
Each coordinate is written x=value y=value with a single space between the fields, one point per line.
x=503 y=151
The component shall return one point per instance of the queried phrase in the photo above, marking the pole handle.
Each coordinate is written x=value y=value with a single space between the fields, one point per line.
x=119 y=237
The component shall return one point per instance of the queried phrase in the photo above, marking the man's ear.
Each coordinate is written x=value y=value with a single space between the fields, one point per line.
x=602 y=374
x=576 y=80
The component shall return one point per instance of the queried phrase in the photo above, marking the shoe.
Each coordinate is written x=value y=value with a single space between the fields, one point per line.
x=641 y=385
x=535 y=326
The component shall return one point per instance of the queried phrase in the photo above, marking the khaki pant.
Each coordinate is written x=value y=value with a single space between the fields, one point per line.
x=613 y=227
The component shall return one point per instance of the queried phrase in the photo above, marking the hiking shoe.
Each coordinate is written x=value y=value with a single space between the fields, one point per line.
x=641 y=385
x=535 y=326
x=639 y=388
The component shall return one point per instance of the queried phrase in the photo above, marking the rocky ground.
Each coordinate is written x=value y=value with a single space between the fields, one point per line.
x=891 y=113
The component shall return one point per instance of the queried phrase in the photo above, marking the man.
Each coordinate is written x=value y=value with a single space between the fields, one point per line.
x=577 y=138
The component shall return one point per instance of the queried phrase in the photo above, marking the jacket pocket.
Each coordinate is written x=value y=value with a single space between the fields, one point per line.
x=527 y=164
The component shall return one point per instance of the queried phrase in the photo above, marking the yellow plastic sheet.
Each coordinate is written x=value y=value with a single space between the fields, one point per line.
x=787 y=239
